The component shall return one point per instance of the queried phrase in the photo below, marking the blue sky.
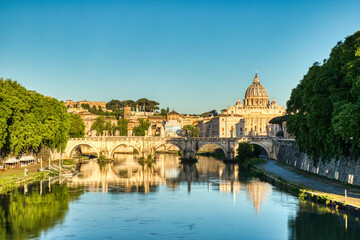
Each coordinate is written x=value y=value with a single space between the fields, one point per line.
x=192 y=56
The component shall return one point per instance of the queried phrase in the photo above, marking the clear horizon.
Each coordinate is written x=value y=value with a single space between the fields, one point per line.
x=189 y=56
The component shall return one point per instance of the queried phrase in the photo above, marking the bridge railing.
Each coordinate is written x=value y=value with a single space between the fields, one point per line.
x=114 y=138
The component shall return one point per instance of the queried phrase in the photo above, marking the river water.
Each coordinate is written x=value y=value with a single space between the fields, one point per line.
x=169 y=200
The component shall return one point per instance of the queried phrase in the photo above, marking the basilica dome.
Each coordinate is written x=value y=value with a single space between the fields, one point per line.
x=256 y=95
x=256 y=89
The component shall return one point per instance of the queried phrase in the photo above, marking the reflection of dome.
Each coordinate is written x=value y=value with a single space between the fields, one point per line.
x=256 y=89
x=257 y=192
x=256 y=95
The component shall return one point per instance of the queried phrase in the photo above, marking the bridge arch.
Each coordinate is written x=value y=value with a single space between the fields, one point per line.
x=112 y=150
x=223 y=148
x=263 y=147
x=156 y=148
x=78 y=144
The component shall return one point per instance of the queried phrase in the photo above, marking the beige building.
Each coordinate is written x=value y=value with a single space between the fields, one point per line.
x=72 y=104
x=224 y=126
x=250 y=117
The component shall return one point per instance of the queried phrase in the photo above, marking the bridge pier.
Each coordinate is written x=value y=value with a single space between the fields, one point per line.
x=230 y=155
x=189 y=154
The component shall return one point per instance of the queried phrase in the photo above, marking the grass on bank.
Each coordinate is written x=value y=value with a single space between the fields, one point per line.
x=250 y=162
x=12 y=174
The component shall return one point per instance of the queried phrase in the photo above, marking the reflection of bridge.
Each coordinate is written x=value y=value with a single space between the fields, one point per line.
x=149 y=145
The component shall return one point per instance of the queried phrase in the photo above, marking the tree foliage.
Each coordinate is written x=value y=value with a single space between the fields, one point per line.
x=77 y=126
x=117 y=106
x=194 y=131
x=98 y=111
x=99 y=125
x=30 y=121
x=279 y=120
x=245 y=151
x=143 y=126
x=122 y=126
x=209 y=114
x=325 y=106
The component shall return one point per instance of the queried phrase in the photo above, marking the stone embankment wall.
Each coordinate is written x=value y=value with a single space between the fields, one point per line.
x=344 y=170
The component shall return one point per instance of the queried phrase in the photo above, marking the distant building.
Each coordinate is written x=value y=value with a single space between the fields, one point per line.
x=71 y=104
x=127 y=112
x=257 y=109
x=173 y=116
x=250 y=118
x=156 y=123
x=173 y=124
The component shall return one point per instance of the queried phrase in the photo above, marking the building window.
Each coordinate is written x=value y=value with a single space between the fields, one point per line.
x=222 y=129
x=241 y=129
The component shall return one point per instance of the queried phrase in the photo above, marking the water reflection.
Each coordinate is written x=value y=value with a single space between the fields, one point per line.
x=203 y=200
x=125 y=174
x=326 y=224
x=257 y=192
x=27 y=211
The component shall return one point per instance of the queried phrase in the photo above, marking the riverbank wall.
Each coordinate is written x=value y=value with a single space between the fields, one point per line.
x=344 y=170
x=297 y=190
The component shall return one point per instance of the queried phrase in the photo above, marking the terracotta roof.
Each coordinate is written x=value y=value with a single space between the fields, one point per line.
x=173 y=113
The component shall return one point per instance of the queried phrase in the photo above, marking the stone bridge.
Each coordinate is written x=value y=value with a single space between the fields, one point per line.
x=187 y=146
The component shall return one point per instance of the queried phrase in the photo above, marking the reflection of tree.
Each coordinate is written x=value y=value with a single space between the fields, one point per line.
x=257 y=192
x=318 y=222
x=22 y=216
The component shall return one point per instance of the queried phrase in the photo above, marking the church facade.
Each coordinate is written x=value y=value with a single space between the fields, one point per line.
x=248 y=118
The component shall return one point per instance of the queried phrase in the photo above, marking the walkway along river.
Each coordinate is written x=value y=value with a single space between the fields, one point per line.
x=204 y=200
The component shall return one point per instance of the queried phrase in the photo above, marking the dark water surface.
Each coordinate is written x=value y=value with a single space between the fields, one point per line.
x=170 y=200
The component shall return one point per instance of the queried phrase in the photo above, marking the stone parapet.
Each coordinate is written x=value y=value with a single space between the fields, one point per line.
x=346 y=170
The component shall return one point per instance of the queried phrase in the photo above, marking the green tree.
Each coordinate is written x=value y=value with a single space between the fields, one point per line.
x=163 y=112
x=30 y=121
x=152 y=106
x=245 y=151
x=142 y=102
x=115 y=106
x=85 y=106
x=122 y=126
x=110 y=128
x=194 y=131
x=324 y=108
x=99 y=125
x=77 y=126
x=209 y=114
x=143 y=126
